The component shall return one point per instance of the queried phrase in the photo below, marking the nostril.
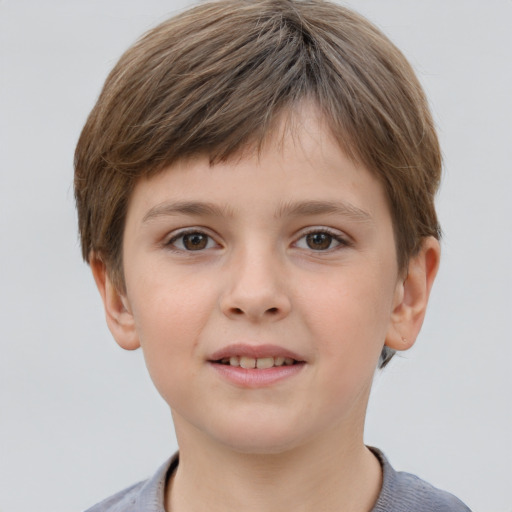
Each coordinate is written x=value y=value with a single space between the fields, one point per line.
x=272 y=311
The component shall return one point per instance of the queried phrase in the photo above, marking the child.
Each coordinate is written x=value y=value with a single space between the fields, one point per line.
x=255 y=194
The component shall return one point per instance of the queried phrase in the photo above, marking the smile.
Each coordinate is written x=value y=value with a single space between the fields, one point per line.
x=256 y=366
x=260 y=363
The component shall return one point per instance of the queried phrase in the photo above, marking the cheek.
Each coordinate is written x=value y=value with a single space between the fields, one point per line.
x=349 y=320
x=170 y=309
x=169 y=319
x=356 y=304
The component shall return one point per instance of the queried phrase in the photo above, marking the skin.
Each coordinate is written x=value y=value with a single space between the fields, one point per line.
x=333 y=298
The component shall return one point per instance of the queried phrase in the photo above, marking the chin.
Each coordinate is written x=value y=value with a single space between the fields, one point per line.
x=250 y=429
x=262 y=439
x=262 y=448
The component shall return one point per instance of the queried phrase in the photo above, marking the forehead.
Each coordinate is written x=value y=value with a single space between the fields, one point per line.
x=299 y=161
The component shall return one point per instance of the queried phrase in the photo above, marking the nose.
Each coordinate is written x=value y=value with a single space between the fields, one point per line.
x=256 y=289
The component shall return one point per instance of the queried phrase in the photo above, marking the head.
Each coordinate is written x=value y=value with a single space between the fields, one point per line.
x=218 y=80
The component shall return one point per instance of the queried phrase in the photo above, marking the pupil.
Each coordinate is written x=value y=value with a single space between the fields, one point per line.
x=195 y=241
x=318 y=240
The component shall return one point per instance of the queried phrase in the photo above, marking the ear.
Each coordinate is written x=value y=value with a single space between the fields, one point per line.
x=119 y=318
x=411 y=296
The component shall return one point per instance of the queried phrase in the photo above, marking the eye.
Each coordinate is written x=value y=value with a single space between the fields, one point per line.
x=192 y=241
x=320 y=240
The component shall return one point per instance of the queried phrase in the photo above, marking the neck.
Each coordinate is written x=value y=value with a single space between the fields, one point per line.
x=320 y=475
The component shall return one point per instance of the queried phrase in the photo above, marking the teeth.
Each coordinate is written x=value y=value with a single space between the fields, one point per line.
x=260 y=363
x=247 y=362
x=264 y=362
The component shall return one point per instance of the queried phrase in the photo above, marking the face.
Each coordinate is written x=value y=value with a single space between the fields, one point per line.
x=262 y=290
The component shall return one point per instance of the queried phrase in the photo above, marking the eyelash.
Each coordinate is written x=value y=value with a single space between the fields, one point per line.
x=341 y=241
x=334 y=236
x=171 y=243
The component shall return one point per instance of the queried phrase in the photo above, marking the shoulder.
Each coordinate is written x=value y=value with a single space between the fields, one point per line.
x=121 y=501
x=145 y=496
x=402 y=492
x=416 y=494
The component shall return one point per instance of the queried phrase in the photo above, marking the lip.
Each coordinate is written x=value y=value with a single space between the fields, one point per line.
x=254 y=378
x=256 y=351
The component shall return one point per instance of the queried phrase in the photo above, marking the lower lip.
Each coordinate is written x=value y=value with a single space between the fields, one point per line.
x=253 y=378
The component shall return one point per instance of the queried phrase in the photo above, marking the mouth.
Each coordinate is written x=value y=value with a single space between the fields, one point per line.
x=257 y=363
x=254 y=366
x=246 y=366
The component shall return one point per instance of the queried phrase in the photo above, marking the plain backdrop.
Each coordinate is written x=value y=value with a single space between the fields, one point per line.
x=79 y=418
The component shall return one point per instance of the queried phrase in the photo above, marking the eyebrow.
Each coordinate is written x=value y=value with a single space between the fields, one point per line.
x=293 y=209
x=195 y=208
x=305 y=208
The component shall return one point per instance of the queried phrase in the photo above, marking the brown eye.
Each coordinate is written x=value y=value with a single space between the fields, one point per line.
x=192 y=241
x=195 y=241
x=322 y=240
x=319 y=241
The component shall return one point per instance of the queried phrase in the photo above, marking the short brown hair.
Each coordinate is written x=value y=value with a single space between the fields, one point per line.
x=215 y=79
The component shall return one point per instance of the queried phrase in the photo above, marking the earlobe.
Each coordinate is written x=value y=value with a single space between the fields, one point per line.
x=411 y=296
x=119 y=317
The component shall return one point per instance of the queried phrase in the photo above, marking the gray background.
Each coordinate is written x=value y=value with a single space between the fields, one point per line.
x=79 y=418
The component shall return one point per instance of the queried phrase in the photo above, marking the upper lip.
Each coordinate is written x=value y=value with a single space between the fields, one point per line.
x=255 y=351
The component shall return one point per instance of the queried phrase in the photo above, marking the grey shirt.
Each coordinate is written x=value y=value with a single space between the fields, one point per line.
x=401 y=492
